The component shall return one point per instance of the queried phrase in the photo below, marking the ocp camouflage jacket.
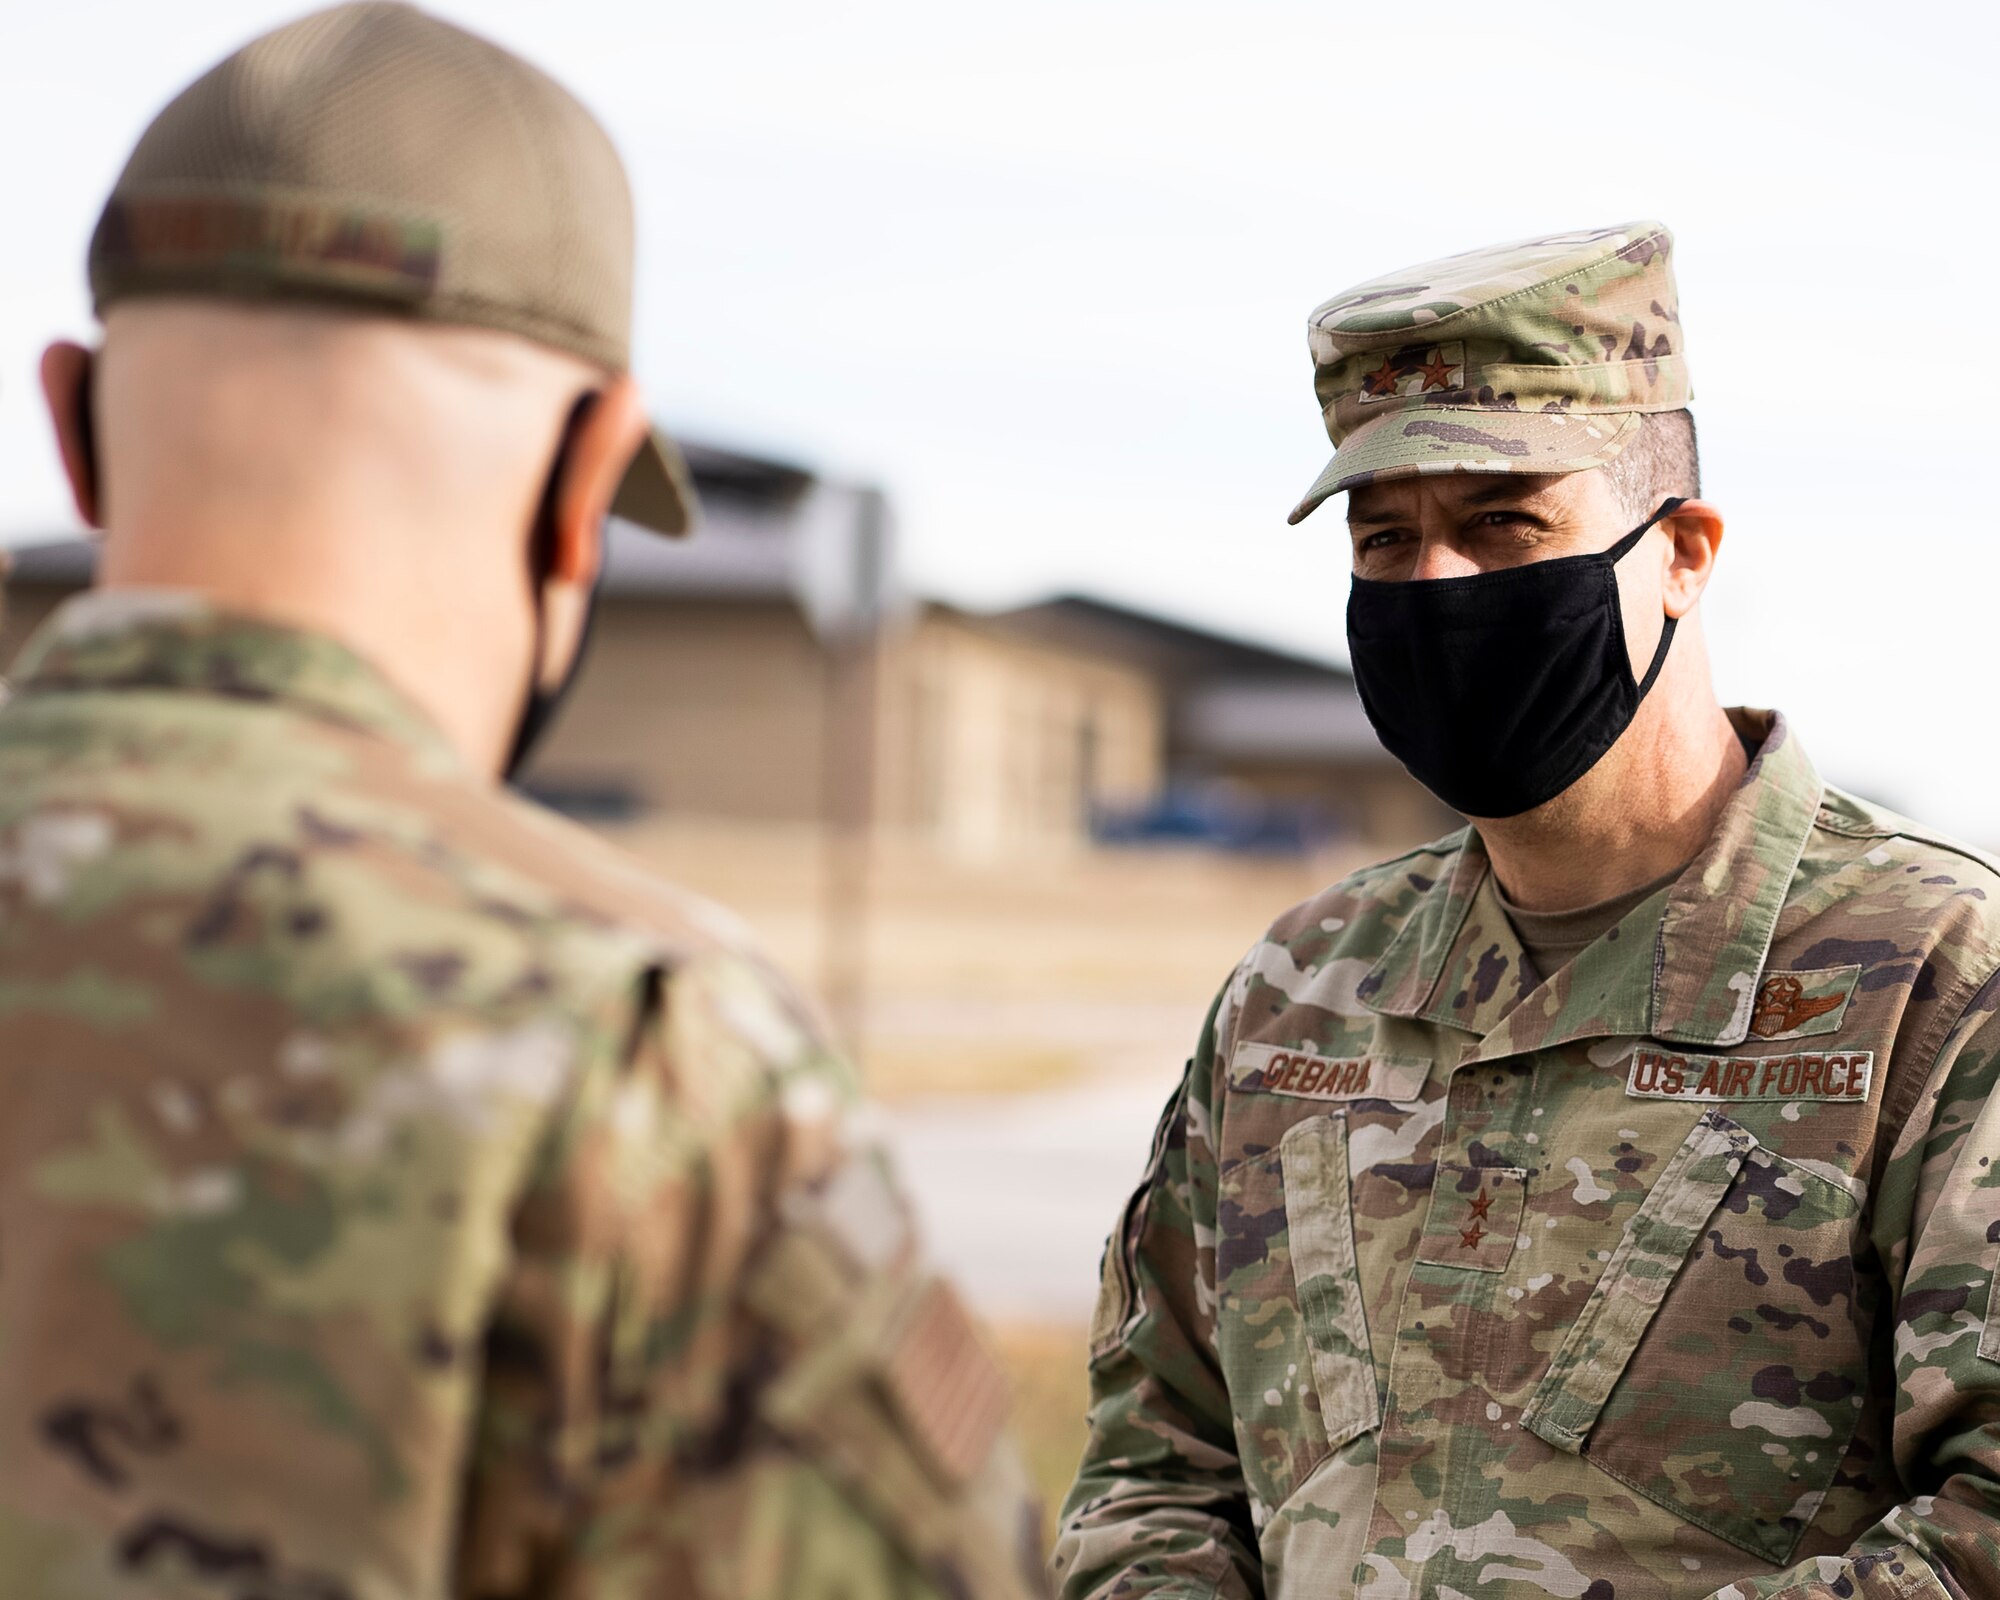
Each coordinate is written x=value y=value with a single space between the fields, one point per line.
x=1667 y=1277
x=403 y=1196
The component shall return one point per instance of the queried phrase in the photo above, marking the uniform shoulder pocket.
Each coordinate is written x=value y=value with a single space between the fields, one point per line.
x=1118 y=1306
x=1291 y=1329
x=1319 y=1215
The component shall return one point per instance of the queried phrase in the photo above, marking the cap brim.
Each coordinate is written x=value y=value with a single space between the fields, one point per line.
x=1420 y=439
x=658 y=491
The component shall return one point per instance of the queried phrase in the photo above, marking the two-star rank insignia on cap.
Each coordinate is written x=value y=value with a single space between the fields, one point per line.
x=1416 y=369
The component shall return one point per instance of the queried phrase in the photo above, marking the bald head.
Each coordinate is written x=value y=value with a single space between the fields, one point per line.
x=300 y=427
x=364 y=476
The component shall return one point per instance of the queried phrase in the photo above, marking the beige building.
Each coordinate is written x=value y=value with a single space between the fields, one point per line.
x=736 y=676
x=1248 y=725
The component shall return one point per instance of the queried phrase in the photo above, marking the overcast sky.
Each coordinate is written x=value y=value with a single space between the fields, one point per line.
x=1043 y=270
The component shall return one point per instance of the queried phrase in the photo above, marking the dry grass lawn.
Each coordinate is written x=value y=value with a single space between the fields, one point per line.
x=1051 y=1391
x=900 y=1067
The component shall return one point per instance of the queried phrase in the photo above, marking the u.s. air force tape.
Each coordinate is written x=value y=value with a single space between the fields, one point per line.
x=1657 y=1074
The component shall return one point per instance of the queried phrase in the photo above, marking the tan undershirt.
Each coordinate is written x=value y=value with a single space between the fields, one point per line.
x=1553 y=939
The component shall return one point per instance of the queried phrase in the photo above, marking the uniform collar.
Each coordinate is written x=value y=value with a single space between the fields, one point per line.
x=1683 y=966
x=170 y=639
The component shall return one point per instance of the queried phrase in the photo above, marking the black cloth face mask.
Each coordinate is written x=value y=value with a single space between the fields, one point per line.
x=541 y=702
x=1499 y=690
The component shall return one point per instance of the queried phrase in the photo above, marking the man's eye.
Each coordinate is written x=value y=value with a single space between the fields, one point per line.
x=1381 y=540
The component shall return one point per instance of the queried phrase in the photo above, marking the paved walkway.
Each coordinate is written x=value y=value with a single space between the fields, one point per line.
x=1018 y=1193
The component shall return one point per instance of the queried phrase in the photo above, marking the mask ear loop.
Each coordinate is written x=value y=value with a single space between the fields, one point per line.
x=1623 y=548
x=538 y=704
x=86 y=434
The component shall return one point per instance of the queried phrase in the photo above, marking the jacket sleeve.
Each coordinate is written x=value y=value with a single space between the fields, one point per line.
x=1937 y=1225
x=1159 y=1506
x=719 y=1364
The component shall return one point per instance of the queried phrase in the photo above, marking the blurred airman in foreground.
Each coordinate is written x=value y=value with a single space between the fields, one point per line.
x=401 y=1194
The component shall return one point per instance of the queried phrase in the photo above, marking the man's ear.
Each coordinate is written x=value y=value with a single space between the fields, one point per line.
x=1696 y=531
x=66 y=387
x=605 y=438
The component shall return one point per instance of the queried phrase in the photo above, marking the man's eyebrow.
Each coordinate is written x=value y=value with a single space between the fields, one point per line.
x=1475 y=495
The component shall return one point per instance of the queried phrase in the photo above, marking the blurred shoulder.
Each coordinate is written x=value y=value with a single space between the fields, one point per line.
x=615 y=916
x=732 y=1037
x=293 y=826
x=334 y=863
x=600 y=885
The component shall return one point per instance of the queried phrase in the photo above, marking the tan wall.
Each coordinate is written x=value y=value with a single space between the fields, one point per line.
x=709 y=708
x=991 y=745
x=984 y=745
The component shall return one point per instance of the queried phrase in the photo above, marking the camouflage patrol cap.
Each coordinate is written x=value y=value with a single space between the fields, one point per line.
x=377 y=157
x=1531 y=357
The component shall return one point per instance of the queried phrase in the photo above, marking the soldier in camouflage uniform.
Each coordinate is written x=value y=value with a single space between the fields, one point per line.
x=1501 y=1245
x=401 y=1194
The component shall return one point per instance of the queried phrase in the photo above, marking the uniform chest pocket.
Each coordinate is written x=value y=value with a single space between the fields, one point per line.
x=1719 y=1365
x=1292 y=1330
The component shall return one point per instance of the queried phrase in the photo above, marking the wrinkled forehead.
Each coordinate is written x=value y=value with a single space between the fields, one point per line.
x=1469 y=491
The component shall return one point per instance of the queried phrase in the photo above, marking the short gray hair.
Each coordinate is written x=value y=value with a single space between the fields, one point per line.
x=1661 y=462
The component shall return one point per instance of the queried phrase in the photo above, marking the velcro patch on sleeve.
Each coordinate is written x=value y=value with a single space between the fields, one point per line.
x=1654 y=1073
x=949 y=1391
x=1305 y=1075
